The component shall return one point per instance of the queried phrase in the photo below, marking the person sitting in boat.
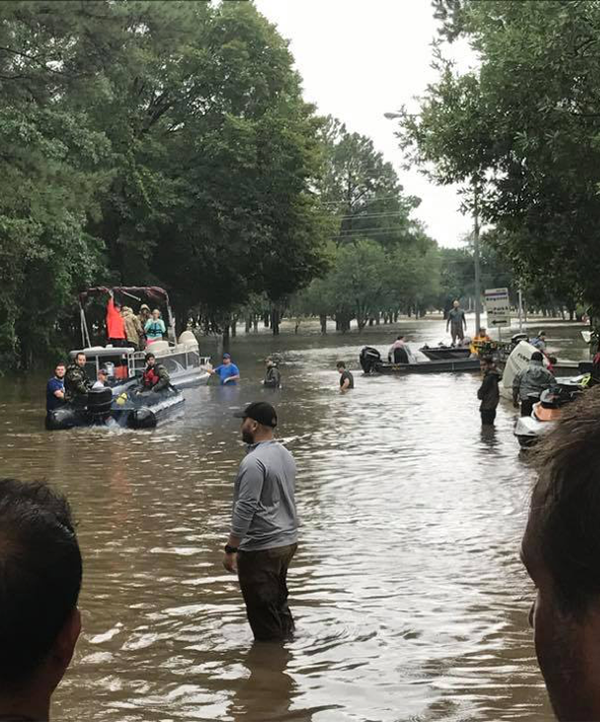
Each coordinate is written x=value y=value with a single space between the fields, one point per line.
x=480 y=340
x=400 y=352
x=272 y=376
x=155 y=377
x=115 y=325
x=55 y=388
x=133 y=328
x=101 y=379
x=228 y=372
x=155 y=327
x=77 y=383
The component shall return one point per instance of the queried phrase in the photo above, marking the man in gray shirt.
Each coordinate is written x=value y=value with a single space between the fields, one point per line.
x=264 y=525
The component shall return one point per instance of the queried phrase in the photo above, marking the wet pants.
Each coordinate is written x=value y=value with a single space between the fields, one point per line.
x=488 y=416
x=526 y=407
x=456 y=331
x=263 y=581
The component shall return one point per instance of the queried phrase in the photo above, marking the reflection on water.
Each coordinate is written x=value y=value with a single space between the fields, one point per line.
x=408 y=594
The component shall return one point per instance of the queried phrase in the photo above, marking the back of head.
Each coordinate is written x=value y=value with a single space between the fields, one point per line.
x=340 y=365
x=537 y=356
x=40 y=576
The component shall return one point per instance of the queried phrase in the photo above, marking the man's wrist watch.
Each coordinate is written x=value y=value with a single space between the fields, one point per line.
x=230 y=550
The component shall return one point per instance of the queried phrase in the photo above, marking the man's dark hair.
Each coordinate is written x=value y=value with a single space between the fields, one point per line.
x=148 y=356
x=399 y=338
x=340 y=365
x=567 y=503
x=40 y=575
x=537 y=356
x=78 y=354
x=60 y=363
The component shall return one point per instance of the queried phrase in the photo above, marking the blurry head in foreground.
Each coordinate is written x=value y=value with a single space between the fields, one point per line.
x=40 y=573
x=561 y=551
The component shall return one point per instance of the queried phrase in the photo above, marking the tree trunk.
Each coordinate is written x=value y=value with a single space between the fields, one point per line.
x=255 y=322
x=248 y=323
x=275 y=321
x=323 y=321
x=371 y=321
x=234 y=327
x=266 y=319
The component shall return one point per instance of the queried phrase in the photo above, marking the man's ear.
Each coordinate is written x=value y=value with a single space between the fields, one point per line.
x=64 y=647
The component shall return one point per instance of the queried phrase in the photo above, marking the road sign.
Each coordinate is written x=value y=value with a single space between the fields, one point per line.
x=497 y=304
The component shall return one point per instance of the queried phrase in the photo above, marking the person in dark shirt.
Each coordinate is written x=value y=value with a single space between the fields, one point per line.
x=77 y=383
x=346 y=378
x=41 y=578
x=489 y=393
x=55 y=388
x=272 y=376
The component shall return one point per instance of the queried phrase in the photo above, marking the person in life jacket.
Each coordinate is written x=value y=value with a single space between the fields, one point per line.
x=480 y=340
x=115 y=325
x=155 y=377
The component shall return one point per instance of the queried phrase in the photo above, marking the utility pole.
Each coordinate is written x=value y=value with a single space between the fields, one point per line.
x=476 y=259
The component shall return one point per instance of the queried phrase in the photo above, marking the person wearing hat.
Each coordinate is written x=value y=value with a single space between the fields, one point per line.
x=101 y=379
x=264 y=525
x=272 y=376
x=529 y=383
x=228 y=372
x=155 y=377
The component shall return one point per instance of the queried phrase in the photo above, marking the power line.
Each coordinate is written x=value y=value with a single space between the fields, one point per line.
x=368 y=200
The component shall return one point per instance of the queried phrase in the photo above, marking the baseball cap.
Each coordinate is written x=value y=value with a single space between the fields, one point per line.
x=103 y=370
x=260 y=411
x=226 y=355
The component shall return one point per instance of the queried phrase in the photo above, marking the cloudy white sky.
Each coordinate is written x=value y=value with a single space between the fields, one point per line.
x=361 y=59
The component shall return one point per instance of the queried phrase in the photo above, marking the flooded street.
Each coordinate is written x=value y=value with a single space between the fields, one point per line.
x=409 y=597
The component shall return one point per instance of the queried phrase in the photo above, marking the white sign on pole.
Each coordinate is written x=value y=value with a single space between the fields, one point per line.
x=497 y=305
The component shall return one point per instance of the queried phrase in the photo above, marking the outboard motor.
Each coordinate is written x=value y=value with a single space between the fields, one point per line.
x=143 y=418
x=369 y=358
x=99 y=402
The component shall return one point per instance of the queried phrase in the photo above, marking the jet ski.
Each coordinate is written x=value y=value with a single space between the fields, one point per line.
x=546 y=412
x=129 y=410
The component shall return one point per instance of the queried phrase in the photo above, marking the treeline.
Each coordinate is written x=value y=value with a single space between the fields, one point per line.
x=520 y=133
x=150 y=143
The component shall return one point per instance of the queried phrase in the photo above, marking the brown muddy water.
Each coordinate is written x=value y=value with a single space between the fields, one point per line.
x=409 y=597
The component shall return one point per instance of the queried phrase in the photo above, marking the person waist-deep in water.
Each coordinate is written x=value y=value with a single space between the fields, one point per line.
x=272 y=378
x=529 y=383
x=41 y=570
x=228 y=372
x=77 y=383
x=489 y=393
x=264 y=525
x=346 y=377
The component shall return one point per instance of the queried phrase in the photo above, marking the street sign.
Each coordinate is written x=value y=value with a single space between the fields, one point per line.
x=497 y=305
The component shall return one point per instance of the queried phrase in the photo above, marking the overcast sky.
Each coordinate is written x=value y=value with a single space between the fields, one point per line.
x=361 y=59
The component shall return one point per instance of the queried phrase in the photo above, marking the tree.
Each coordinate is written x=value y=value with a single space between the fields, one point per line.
x=523 y=130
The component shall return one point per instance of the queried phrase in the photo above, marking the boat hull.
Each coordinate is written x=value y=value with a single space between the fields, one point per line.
x=427 y=367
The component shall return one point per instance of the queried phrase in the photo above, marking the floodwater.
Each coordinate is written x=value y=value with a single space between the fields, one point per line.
x=409 y=597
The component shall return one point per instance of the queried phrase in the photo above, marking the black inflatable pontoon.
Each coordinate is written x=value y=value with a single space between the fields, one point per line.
x=371 y=363
x=99 y=408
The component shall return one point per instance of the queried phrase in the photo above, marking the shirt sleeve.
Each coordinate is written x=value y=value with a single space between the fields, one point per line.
x=235 y=369
x=147 y=325
x=251 y=479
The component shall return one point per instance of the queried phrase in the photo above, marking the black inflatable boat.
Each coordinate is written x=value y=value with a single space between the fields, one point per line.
x=372 y=363
x=99 y=408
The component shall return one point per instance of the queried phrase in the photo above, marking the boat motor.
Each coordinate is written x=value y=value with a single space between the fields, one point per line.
x=369 y=358
x=99 y=402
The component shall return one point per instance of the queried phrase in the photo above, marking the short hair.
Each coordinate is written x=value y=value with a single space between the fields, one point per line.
x=399 y=338
x=40 y=575
x=78 y=354
x=148 y=356
x=60 y=363
x=566 y=501
x=341 y=365
x=537 y=356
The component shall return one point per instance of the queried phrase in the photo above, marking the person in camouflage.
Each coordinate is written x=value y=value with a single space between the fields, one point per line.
x=77 y=383
x=133 y=327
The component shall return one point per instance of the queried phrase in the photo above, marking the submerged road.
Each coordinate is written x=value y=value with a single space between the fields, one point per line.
x=409 y=597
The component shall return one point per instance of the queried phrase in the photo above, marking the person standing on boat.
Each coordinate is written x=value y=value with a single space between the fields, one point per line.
x=346 y=378
x=272 y=376
x=228 y=372
x=133 y=328
x=489 y=393
x=55 y=388
x=457 y=322
x=115 y=325
x=264 y=526
x=155 y=327
x=77 y=383
x=155 y=377
x=400 y=352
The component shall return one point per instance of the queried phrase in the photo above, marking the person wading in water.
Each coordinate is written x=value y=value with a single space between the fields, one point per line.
x=264 y=525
